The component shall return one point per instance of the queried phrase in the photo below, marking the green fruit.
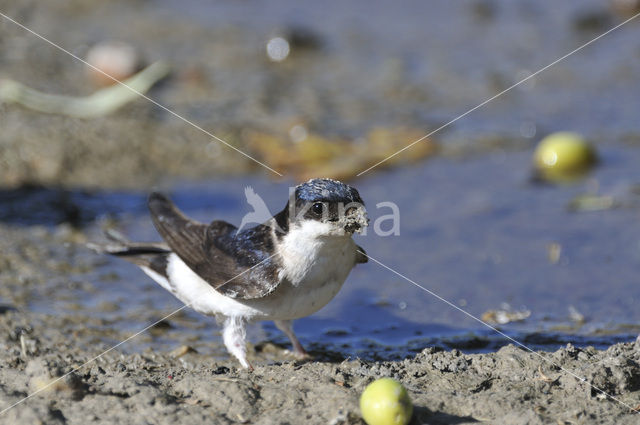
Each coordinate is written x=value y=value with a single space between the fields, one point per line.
x=563 y=155
x=386 y=402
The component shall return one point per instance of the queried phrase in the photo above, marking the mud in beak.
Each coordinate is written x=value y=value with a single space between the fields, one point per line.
x=355 y=220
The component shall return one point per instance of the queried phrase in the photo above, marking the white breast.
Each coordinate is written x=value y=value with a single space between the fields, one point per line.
x=315 y=265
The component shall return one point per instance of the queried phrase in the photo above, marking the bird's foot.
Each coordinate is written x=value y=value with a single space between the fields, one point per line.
x=246 y=364
x=303 y=357
x=300 y=354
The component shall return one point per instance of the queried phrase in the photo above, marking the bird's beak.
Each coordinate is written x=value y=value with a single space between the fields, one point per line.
x=355 y=220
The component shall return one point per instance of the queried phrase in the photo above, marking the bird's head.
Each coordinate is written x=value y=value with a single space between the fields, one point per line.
x=330 y=207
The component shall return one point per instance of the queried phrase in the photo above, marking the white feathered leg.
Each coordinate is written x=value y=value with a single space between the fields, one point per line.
x=234 y=334
x=286 y=326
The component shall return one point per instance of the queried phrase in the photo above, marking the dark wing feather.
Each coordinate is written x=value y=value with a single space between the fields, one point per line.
x=147 y=254
x=361 y=255
x=215 y=253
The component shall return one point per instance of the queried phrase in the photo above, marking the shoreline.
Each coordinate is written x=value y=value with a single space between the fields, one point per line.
x=447 y=387
x=169 y=382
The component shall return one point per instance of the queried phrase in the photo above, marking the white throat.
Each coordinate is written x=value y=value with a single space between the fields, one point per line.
x=313 y=253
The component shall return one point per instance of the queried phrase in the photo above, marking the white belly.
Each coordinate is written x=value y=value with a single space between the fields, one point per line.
x=194 y=291
x=314 y=270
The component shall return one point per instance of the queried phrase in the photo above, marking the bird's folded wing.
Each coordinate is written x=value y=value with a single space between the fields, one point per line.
x=196 y=244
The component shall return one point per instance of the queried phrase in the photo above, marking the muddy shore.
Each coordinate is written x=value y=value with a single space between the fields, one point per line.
x=223 y=81
x=172 y=383
x=343 y=81
x=510 y=386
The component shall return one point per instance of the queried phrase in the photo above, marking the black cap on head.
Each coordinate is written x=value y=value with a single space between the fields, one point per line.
x=327 y=190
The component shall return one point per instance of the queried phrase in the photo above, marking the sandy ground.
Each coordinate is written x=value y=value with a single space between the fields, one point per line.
x=509 y=387
x=180 y=386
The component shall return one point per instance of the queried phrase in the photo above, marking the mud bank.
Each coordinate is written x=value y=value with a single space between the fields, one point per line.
x=510 y=386
x=170 y=382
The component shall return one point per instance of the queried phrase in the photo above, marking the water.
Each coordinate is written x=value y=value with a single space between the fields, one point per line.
x=474 y=232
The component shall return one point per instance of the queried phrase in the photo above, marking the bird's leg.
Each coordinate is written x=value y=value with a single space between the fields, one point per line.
x=234 y=334
x=286 y=327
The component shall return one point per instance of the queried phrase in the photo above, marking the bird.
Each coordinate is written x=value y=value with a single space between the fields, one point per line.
x=284 y=269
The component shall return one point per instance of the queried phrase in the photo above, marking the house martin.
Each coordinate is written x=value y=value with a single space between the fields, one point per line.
x=286 y=268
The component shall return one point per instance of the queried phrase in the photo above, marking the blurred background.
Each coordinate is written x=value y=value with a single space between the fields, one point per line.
x=330 y=89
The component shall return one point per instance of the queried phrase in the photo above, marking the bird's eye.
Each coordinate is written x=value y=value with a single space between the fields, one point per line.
x=317 y=208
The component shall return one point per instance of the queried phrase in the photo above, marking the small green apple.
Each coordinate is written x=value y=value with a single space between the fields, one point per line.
x=386 y=402
x=563 y=156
